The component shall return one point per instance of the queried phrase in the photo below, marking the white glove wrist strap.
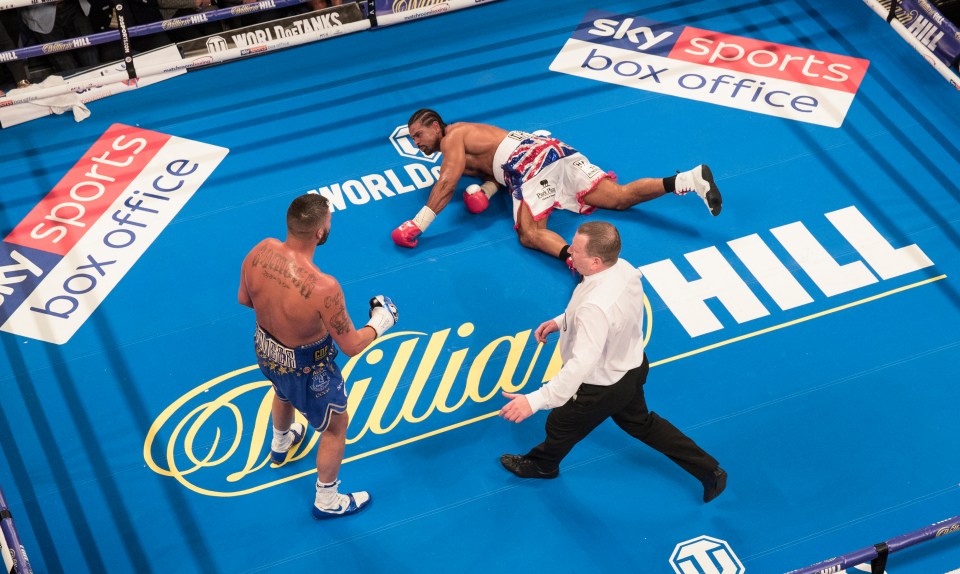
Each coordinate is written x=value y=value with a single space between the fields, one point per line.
x=424 y=218
x=380 y=321
x=489 y=188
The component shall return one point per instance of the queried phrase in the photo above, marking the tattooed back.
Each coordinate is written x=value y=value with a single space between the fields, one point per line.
x=287 y=292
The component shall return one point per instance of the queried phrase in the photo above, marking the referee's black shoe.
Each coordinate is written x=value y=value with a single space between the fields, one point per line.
x=715 y=484
x=525 y=468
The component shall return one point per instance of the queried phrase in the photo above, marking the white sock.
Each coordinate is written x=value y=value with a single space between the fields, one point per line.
x=281 y=440
x=327 y=494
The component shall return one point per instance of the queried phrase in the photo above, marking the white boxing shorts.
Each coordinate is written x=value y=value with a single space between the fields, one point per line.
x=545 y=174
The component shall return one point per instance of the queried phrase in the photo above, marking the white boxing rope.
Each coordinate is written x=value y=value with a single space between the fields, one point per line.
x=949 y=74
x=11 y=4
x=147 y=70
x=425 y=11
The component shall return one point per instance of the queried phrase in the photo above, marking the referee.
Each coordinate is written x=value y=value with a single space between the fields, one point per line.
x=604 y=369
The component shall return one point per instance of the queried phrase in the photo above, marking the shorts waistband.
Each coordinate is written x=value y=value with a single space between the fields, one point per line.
x=505 y=150
x=268 y=347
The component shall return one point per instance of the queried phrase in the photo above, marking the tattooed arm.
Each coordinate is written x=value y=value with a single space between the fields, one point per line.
x=333 y=312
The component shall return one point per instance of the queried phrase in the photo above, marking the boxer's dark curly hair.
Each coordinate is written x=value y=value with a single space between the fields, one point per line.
x=427 y=117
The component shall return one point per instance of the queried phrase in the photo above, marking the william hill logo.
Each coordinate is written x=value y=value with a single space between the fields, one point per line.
x=213 y=439
x=413 y=385
x=760 y=77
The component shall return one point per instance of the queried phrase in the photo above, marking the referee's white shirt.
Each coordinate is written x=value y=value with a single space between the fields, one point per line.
x=601 y=334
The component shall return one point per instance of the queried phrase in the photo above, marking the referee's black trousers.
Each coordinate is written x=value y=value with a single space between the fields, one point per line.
x=624 y=402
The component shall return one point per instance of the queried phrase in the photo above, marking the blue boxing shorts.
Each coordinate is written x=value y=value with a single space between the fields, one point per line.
x=306 y=376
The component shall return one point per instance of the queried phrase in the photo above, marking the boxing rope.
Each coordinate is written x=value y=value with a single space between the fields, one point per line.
x=877 y=554
x=11 y=4
x=143 y=29
x=14 y=556
x=78 y=85
x=944 y=62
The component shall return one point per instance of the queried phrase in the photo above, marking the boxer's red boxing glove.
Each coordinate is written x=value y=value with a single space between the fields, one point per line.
x=406 y=235
x=475 y=199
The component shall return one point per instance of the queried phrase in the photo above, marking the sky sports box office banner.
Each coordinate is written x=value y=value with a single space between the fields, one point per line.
x=62 y=260
x=713 y=67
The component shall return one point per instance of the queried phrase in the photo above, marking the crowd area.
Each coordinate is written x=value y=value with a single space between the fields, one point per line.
x=950 y=9
x=65 y=19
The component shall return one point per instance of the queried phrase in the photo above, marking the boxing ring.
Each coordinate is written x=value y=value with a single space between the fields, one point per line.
x=806 y=337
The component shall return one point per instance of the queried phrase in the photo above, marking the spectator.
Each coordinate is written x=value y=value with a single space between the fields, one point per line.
x=321 y=4
x=139 y=12
x=9 y=40
x=951 y=10
x=62 y=20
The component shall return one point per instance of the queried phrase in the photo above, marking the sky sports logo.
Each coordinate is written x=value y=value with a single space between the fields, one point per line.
x=712 y=67
x=62 y=260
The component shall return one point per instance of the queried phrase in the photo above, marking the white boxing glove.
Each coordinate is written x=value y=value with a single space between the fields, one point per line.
x=383 y=314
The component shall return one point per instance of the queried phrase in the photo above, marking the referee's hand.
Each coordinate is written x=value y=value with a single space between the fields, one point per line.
x=517 y=409
x=545 y=328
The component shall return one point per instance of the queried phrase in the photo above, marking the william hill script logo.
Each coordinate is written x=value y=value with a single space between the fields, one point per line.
x=214 y=439
x=948 y=530
x=412 y=385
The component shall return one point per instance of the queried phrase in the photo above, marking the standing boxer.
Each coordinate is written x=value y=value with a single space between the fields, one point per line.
x=300 y=315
